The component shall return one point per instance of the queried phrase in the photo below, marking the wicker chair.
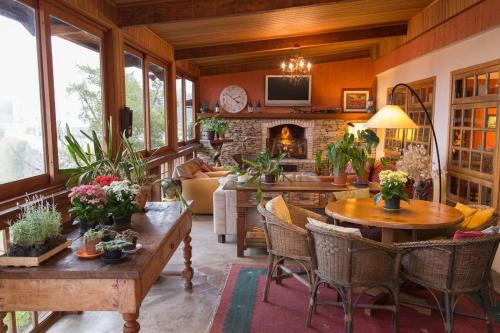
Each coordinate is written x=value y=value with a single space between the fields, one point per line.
x=287 y=241
x=453 y=267
x=345 y=262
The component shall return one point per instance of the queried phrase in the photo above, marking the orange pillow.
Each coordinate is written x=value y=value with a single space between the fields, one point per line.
x=468 y=213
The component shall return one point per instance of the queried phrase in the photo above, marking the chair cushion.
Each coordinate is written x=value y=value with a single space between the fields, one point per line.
x=354 y=194
x=336 y=228
x=188 y=169
x=200 y=174
x=468 y=212
x=205 y=166
x=467 y=234
x=277 y=206
x=480 y=218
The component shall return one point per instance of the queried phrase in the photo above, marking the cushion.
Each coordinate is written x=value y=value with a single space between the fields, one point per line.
x=336 y=228
x=467 y=234
x=480 y=218
x=217 y=173
x=278 y=207
x=200 y=174
x=188 y=169
x=468 y=212
x=354 y=194
x=205 y=166
x=494 y=229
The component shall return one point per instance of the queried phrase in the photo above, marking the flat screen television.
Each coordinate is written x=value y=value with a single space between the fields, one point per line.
x=280 y=91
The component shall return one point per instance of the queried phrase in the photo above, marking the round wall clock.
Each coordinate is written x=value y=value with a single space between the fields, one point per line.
x=233 y=99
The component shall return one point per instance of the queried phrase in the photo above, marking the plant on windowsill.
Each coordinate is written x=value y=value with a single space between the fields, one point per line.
x=340 y=153
x=37 y=229
x=208 y=125
x=221 y=126
x=392 y=189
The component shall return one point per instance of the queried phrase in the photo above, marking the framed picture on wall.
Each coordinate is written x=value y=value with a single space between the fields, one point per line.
x=355 y=100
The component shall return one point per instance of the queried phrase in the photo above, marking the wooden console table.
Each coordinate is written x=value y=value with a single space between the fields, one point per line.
x=67 y=283
x=245 y=199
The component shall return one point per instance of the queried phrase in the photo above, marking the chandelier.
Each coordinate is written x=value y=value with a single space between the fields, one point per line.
x=296 y=68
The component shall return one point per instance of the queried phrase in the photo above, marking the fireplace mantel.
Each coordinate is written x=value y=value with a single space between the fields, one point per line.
x=295 y=115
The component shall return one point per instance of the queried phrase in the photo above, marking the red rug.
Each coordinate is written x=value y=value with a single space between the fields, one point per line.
x=241 y=310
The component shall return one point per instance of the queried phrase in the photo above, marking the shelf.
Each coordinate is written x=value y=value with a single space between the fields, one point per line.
x=294 y=115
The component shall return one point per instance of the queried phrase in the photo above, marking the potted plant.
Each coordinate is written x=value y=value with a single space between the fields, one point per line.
x=112 y=249
x=121 y=202
x=266 y=166
x=359 y=160
x=242 y=174
x=136 y=170
x=208 y=126
x=339 y=154
x=91 y=238
x=108 y=234
x=392 y=185
x=129 y=236
x=221 y=126
x=36 y=231
x=88 y=205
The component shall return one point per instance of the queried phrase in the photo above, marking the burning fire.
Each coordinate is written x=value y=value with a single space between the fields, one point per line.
x=286 y=136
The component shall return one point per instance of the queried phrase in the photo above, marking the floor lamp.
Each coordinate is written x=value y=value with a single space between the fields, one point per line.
x=392 y=116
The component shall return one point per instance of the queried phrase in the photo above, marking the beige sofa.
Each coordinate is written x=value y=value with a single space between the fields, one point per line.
x=199 y=184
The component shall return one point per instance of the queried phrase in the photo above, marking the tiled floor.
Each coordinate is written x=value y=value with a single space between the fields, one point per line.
x=167 y=307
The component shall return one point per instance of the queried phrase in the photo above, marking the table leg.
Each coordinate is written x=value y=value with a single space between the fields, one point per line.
x=3 y=327
x=131 y=325
x=187 y=273
x=387 y=236
x=240 y=231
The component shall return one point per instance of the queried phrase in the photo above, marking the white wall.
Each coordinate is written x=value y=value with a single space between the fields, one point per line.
x=440 y=63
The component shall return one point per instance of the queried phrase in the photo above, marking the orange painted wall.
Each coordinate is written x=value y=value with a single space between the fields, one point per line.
x=328 y=79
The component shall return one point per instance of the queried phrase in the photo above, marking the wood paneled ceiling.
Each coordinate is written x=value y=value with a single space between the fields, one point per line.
x=235 y=32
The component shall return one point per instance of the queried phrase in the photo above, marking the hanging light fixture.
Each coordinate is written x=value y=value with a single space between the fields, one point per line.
x=296 y=67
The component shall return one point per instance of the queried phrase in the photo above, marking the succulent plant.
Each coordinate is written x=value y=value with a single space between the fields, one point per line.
x=113 y=245
x=128 y=236
x=92 y=234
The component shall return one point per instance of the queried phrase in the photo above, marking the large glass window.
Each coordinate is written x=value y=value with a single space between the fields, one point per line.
x=157 y=85
x=189 y=110
x=134 y=97
x=180 y=109
x=185 y=109
x=21 y=130
x=77 y=84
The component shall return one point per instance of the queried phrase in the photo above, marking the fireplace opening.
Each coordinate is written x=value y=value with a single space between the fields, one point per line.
x=287 y=138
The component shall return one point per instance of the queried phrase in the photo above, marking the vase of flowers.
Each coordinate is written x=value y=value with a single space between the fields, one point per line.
x=88 y=205
x=416 y=162
x=121 y=202
x=392 y=189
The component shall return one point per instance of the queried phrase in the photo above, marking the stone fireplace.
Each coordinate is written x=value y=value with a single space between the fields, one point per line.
x=288 y=138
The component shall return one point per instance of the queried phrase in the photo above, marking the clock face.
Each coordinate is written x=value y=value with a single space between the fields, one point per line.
x=233 y=99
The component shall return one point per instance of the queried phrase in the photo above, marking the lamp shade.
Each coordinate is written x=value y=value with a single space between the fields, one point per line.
x=391 y=116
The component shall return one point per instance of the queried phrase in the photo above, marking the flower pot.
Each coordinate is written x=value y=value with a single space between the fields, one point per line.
x=392 y=204
x=84 y=225
x=143 y=196
x=362 y=179
x=222 y=136
x=208 y=135
x=340 y=179
x=122 y=222
x=328 y=179
x=243 y=178
x=112 y=254
x=269 y=179
x=90 y=247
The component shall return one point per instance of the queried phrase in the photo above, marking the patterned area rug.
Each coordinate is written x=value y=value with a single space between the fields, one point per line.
x=241 y=310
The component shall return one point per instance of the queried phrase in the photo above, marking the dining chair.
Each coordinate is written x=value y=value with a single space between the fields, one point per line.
x=347 y=263
x=453 y=267
x=287 y=242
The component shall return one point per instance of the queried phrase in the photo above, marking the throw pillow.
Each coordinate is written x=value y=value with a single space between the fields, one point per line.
x=336 y=228
x=278 y=207
x=480 y=218
x=205 y=166
x=467 y=234
x=200 y=174
x=491 y=230
x=468 y=212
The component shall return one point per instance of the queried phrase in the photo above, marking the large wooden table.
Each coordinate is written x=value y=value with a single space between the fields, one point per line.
x=245 y=199
x=67 y=283
x=416 y=215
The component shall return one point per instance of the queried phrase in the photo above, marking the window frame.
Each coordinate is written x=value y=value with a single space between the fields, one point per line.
x=181 y=75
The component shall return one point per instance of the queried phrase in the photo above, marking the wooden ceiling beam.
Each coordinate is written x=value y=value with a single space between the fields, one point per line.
x=290 y=42
x=173 y=11
x=273 y=63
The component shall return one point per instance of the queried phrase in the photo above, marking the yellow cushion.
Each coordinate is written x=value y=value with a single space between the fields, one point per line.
x=354 y=194
x=468 y=213
x=480 y=218
x=277 y=207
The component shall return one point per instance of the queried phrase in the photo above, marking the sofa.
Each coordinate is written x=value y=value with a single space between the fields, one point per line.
x=199 y=181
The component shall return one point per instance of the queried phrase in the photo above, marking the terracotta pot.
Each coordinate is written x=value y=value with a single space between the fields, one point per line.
x=90 y=247
x=340 y=179
x=270 y=178
x=328 y=179
x=222 y=136
x=143 y=196
x=362 y=179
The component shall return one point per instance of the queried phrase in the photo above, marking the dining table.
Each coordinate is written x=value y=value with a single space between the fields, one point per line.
x=414 y=216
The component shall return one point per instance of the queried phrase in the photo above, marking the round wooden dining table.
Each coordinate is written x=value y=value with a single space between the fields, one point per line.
x=415 y=215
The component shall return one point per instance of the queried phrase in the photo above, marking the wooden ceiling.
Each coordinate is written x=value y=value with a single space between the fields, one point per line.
x=233 y=34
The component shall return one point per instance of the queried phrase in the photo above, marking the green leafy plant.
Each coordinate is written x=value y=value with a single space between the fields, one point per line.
x=113 y=245
x=121 y=198
x=369 y=139
x=392 y=186
x=318 y=162
x=135 y=166
x=340 y=153
x=91 y=235
x=221 y=126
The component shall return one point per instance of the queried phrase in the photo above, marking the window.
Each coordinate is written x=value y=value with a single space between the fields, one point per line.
x=77 y=84
x=134 y=97
x=473 y=136
x=185 y=109
x=21 y=130
x=157 y=78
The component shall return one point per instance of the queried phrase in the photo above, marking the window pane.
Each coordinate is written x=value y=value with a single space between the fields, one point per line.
x=475 y=163
x=477 y=141
x=467 y=117
x=77 y=84
x=457 y=118
x=455 y=157
x=493 y=83
x=486 y=195
x=459 y=88
x=491 y=118
x=180 y=111
x=24 y=321
x=487 y=166
x=469 y=86
x=479 y=118
x=189 y=110
x=481 y=84
x=490 y=141
x=465 y=159
x=21 y=131
x=454 y=185
x=473 y=192
x=134 y=98
x=157 y=105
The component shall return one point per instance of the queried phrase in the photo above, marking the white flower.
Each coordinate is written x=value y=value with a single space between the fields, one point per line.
x=416 y=162
x=122 y=189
